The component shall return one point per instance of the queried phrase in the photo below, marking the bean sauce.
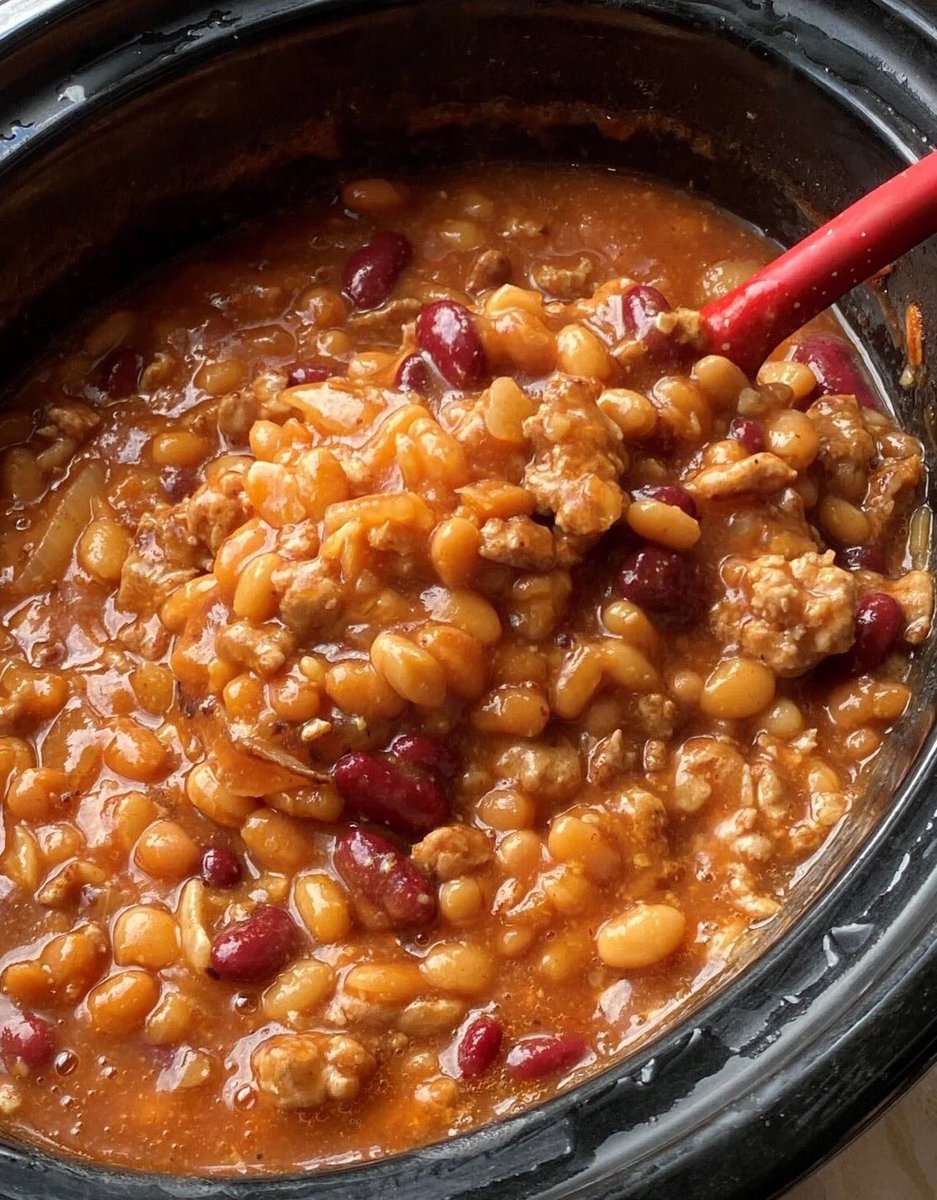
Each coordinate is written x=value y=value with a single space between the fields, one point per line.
x=422 y=664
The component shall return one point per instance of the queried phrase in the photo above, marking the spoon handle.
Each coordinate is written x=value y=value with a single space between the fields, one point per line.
x=750 y=321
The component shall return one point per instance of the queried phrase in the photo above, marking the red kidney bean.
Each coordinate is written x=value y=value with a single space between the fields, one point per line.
x=178 y=482
x=412 y=374
x=374 y=268
x=479 y=1046
x=256 y=947
x=382 y=790
x=669 y=493
x=545 y=1054
x=833 y=362
x=662 y=582
x=432 y=754
x=119 y=372
x=878 y=623
x=641 y=305
x=27 y=1039
x=749 y=433
x=307 y=373
x=386 y=877
x=863 y=558
x=445 y=330
x=220 y=867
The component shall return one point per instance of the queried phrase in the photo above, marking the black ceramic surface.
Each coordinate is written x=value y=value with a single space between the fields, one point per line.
x=127 y=130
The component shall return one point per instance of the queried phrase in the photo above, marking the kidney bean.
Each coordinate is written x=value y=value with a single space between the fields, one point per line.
x=641 y=305
x=382 y=790
x=412 y=374
x=307 y=373
x=833 y=362
x=432 y=754
x=386 y=877
x=374 y=268
x=662 y=582
x=445 y=330
x=119 y=372
x=479 y=1046
x=27 y=1039
x=178 y=482
x=878 y=623
x=749 y=433
x=863 y=558
x=220 y=867
x=545 y=1054
x=669 y=493
x=256 y=947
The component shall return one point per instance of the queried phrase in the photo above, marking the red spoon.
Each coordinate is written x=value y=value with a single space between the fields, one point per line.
x=750 y=321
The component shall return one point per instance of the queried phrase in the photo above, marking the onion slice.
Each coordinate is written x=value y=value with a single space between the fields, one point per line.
x=273 y=753
x=50 y=557
x=248 y=764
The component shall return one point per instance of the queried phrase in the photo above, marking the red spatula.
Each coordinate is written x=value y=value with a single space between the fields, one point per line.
x=750 y=321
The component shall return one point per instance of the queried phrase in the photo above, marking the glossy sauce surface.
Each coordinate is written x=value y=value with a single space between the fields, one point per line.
x=419 y=666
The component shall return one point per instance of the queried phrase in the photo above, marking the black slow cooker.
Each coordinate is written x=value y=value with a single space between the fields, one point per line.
x=130 y=130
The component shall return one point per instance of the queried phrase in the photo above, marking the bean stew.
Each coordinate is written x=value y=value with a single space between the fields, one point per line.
x=421 y=665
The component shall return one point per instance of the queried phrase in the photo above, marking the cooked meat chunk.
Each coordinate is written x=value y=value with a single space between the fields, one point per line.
x=74 y=420
x=306 y=1070
x=267 y=388
x=218 y=507
x=563 y=280
x=759 y=474
x=518 y=542
x=452 y=850
x=703 y=765
x=914 y=592
x=345 y=1009
x=310 y=596
x=491 y=269
x=866 y=459
x=578 y=457
x=260 y=648
x=656 y=715
x=898 y=470
x=11 y=1099
x=790 y=615
x=146 y=636
x=746 y=896
x=164 y=555
x=548 y=773
x=610 y=757
x=237 y=412
x=572 y=548
x=641 y=819
x=404 y=546
x=844 y=438
x=299 y=542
